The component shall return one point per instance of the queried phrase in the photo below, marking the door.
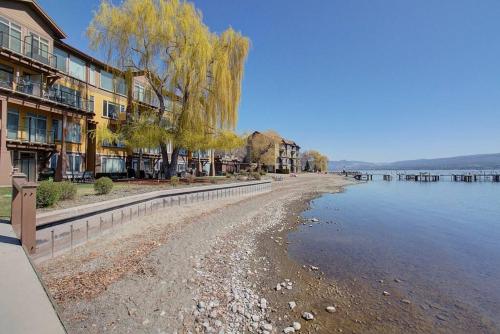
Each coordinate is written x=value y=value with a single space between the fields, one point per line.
x=36 y=126
x=27 y=164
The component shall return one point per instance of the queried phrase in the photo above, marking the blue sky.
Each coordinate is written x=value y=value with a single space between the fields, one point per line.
x=373 y=80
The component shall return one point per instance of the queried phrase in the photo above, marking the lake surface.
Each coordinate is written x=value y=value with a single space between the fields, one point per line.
x=442 y=240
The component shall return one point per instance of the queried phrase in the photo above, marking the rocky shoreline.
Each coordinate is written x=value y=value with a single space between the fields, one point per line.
x=206 y=269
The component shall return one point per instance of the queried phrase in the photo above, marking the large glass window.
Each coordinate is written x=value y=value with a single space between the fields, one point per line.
x=10 y=35
x=57 y=129
x=77 y=68
x=92 y=75
x=61 y=60
x=112 y=165
x=121 y=86
x=73 y=132
x=12 y=124
x=6 y=76
x=139 y=92
x=36 y=128
x=107 y=81
x=112 y=110
x=74 y=163
x=38 y=48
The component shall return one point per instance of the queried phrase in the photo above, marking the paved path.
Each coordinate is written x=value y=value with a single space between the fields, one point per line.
x=24 y=305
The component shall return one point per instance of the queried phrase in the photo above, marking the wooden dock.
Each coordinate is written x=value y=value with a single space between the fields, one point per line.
x=425 y=177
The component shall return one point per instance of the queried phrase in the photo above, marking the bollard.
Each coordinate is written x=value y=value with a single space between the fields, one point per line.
x=23 y=211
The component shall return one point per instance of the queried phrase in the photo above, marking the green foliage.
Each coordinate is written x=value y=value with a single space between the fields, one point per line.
x=263 y=172
x=193 y=73
x=67 y=190
x=174 y=181
x=103 y=185
x=47 y=194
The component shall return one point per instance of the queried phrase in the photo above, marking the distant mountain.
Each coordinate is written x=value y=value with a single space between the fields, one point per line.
x=478 y=161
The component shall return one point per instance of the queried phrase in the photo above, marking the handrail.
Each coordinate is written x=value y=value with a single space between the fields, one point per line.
x=53 y=94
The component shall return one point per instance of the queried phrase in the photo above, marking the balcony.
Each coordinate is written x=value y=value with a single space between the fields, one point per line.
x=30 y=135
x=28 y=48
x=51 y=95
x=145 y=98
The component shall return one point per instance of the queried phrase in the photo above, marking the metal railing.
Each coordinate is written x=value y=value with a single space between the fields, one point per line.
x=39 y=90
x=28 y=47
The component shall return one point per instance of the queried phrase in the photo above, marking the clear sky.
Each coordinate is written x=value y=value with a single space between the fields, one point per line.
x=372 y=80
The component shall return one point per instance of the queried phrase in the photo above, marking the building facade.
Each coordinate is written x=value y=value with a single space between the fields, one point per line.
x=284 y=153
x=53 y=97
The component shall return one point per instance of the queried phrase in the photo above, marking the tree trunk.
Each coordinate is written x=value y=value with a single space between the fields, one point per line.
x=212 y=163
x=169 y=168
x=172 y=168
x=139 y=165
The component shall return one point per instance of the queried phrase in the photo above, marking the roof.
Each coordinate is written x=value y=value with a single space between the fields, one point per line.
x=289 y=142
x=50 y=22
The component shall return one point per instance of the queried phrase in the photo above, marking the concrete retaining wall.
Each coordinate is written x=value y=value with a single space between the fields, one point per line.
x=61 y=230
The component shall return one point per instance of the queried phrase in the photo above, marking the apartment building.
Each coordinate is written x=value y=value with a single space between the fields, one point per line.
x=52 y=98
x=285 y=155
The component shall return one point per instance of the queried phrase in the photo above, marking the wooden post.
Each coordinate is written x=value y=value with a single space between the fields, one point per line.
x=23 y=211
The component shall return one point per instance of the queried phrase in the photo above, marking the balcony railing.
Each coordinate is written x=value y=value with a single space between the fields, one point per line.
x=30 y=135
x=28 y=47
x=38 y=90
x=146 y=98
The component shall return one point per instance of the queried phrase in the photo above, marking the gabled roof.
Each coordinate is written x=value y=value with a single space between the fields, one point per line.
x=43 y=14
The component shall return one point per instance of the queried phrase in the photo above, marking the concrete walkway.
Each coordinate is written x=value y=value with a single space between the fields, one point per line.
x=24 y=305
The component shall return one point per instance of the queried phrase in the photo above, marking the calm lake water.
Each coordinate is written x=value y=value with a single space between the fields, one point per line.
x=441 y=239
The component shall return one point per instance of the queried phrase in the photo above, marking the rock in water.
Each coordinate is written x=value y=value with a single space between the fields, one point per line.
x=292 y=305
x=307 y=316
x=296 y=325
x=385 y=293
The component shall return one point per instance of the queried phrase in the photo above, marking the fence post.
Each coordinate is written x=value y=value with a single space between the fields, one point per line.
x=23 y=211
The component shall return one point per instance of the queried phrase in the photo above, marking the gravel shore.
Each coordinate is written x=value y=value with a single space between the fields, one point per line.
x=193 y=269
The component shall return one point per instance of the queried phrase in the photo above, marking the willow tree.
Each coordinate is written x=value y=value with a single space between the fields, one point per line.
x=314 y=160
x=262 y=147
x=195 y=74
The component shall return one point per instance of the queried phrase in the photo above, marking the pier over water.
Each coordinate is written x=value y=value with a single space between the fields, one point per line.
x=424 y=176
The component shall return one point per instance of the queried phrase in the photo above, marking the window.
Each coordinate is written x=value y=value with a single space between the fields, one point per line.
x=57 y=129
x=107 y=81
x=91 y=104
x=36 y=128
x=74 y=162
x=38 y=48
x=61 y=60
x=112 y=165
x=139 y=92
x=12 y=124
x=6 y=76
x=77 y=68
x=121 y=86
x=10 y=35
x=92 y=75
x=111 y=110
x=74 y=132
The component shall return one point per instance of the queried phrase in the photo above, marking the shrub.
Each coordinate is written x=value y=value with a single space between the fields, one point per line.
x=174 y=181
x=213 y=180
x=103 y=185
x=263 y=172
x=256 y=176
x=67 y=189
x=47 y=194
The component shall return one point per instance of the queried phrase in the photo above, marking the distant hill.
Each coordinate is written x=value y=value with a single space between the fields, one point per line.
x=479 y=161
